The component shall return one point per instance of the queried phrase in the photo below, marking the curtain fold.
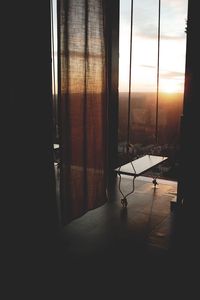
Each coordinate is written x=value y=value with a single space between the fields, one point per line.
x=83 y=102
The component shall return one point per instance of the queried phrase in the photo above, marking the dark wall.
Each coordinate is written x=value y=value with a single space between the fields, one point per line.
x=30 y=217
x=190 y=125
x=186 y=229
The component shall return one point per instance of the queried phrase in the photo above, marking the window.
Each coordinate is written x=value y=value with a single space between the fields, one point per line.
x=153 y=78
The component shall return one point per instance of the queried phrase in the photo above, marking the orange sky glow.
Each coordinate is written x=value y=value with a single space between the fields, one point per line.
x=145 y=45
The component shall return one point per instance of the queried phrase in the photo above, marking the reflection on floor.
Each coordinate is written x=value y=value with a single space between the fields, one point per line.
x=146 y=220
x=123 y=246
x=135 y=252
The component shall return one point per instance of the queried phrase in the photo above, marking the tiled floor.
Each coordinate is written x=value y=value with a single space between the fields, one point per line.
x=129 y=253
x=146 y=220
x=120 y=246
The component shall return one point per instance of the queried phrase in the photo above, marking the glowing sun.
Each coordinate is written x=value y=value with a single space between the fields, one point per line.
x=170 y=87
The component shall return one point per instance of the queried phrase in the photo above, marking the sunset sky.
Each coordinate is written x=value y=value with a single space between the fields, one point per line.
x=144 y=51
x=145 y=42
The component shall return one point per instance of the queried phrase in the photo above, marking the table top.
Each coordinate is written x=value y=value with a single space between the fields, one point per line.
x=55 y=146
x=141 y=165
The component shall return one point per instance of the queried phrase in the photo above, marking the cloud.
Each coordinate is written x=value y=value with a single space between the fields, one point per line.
x=178 y=5
x=145 y=18
x=152 y=35
x=170 y=74
x=165 y=73
x=148 y=66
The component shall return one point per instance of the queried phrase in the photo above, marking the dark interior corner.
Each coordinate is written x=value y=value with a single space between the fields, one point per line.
x=36 y=254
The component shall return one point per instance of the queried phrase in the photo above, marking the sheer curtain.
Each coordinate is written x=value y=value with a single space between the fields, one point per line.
x=83 y=93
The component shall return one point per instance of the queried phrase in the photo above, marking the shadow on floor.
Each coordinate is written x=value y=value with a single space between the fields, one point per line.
x=134 y=252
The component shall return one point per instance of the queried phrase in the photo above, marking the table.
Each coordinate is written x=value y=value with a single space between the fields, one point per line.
x=136 y=168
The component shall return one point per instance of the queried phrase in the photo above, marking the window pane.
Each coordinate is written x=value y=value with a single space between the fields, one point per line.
x=144 y=72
